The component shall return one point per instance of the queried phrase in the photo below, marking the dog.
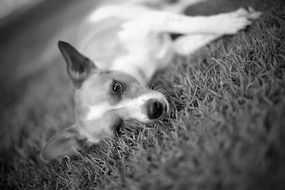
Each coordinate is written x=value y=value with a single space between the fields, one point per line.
x=121 y=47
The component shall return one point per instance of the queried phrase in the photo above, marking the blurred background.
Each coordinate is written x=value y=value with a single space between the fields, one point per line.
x=8 y=7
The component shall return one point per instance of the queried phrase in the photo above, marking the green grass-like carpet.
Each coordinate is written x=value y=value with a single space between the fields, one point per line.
x=226 y=129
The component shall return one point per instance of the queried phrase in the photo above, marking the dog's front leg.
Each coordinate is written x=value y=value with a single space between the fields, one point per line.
x=225 y=23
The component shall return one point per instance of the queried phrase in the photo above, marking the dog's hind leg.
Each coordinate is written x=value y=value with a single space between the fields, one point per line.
x=188 y=44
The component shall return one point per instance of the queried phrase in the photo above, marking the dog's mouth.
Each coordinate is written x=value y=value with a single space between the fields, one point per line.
x=117 y=125
x=154 y=110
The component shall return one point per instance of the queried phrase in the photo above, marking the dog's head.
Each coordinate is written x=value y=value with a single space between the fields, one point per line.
x=99 y=92
x=103 y=98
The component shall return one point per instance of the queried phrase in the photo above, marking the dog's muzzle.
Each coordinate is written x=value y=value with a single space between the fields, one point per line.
x=155 y=108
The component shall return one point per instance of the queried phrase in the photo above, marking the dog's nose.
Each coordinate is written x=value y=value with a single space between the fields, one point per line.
x=155 y=108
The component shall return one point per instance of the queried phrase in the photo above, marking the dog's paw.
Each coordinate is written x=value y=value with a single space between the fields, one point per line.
x=231 y=23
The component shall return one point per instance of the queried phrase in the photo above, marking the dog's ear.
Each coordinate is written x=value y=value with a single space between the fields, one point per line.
x=66 y=142
x=78 y=66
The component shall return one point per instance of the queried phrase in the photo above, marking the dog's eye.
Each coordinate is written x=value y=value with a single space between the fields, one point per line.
x=117 y=87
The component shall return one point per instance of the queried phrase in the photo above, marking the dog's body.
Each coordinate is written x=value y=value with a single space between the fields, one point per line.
x=128 y=44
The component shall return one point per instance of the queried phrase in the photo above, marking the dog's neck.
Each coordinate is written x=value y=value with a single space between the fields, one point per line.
x=143 y=67
x=144 y=56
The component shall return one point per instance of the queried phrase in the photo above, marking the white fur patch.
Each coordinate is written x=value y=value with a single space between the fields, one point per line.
x=98 y=110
